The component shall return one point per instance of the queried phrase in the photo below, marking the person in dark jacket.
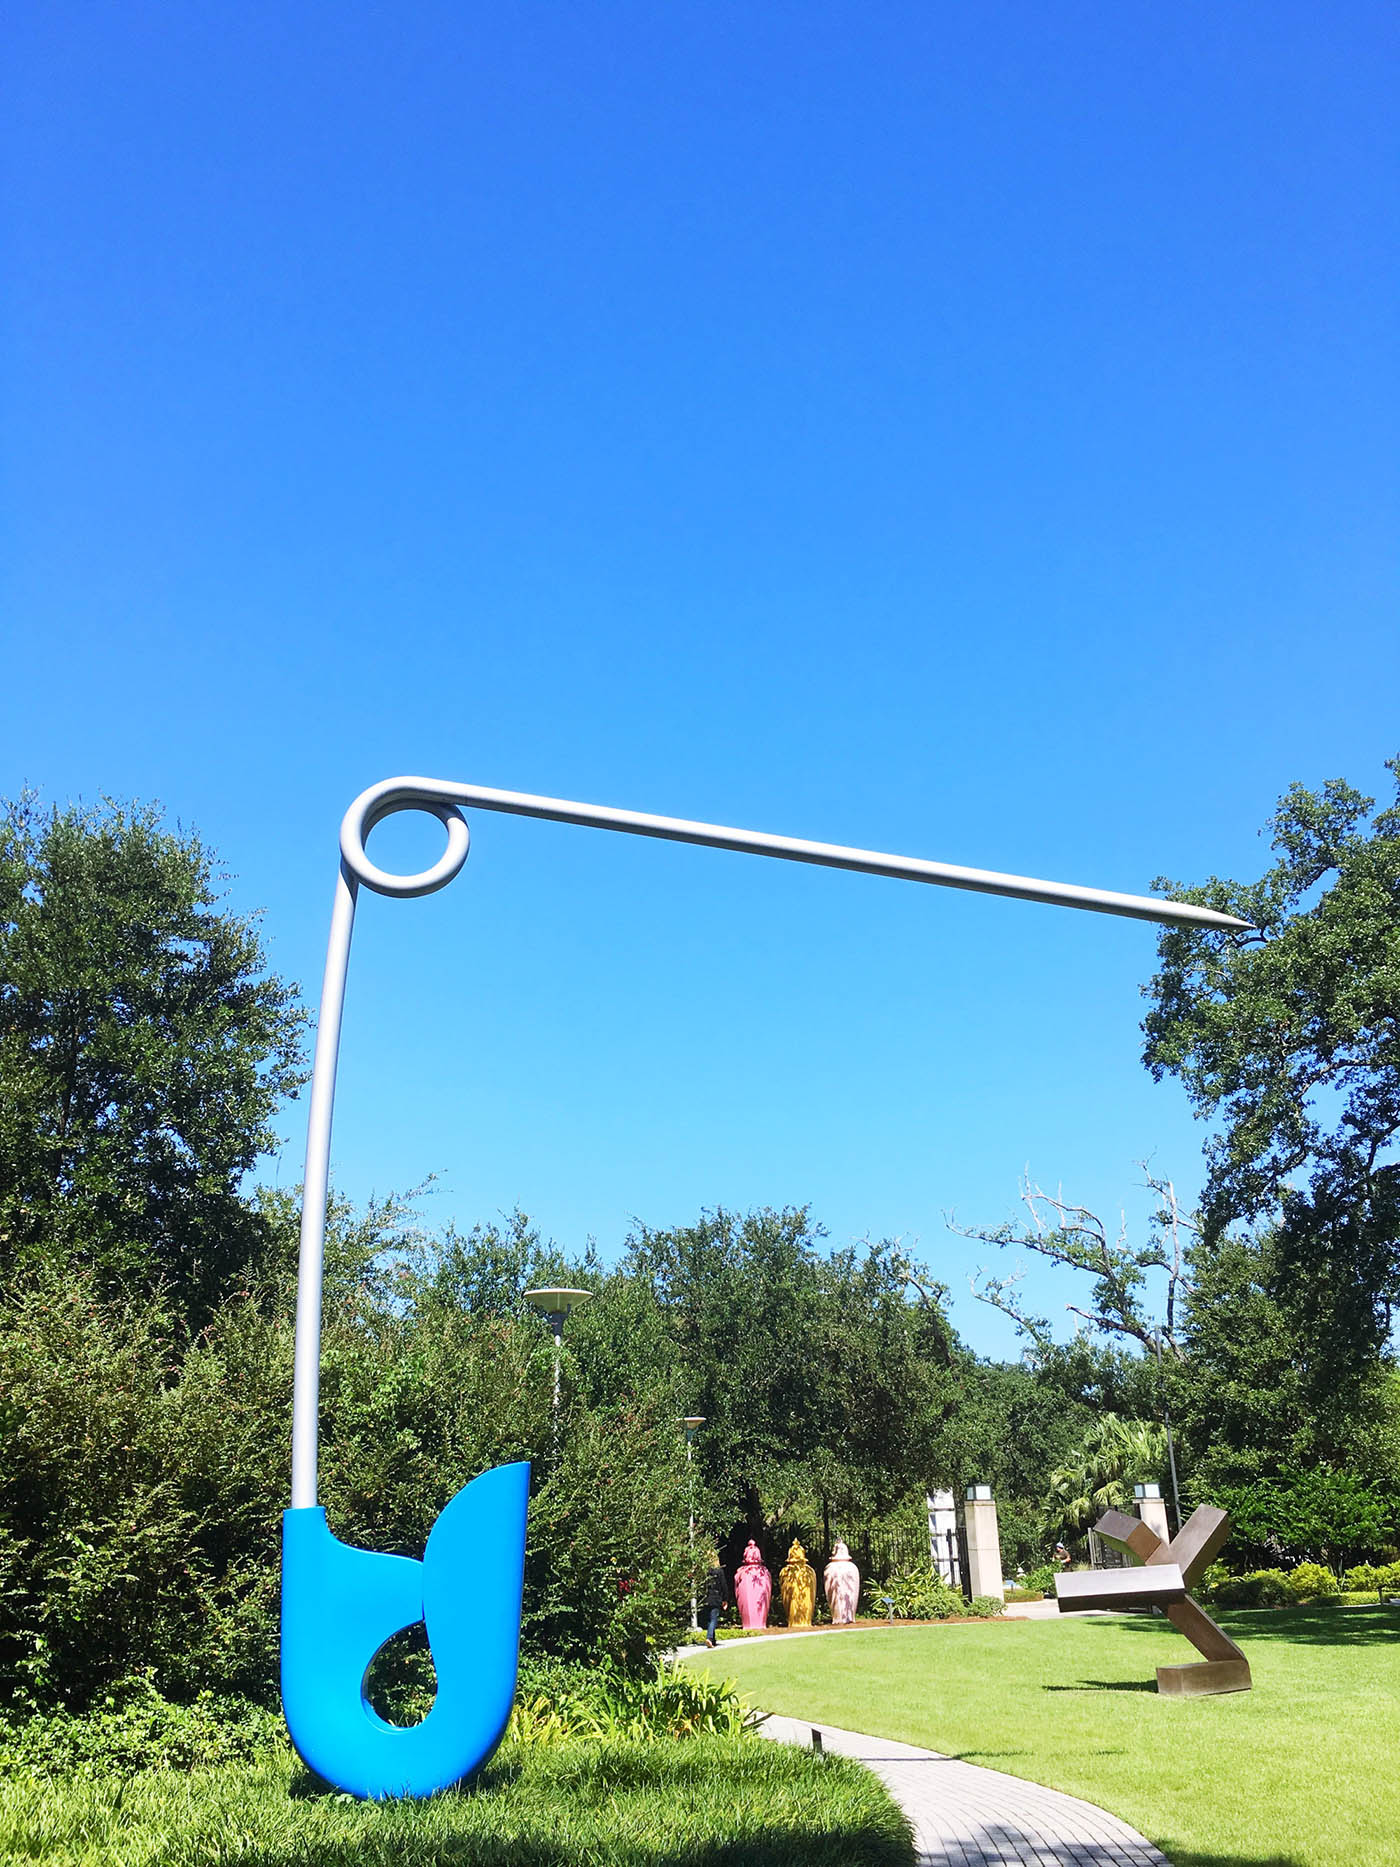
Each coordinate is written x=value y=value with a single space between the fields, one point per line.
x=715 y=1598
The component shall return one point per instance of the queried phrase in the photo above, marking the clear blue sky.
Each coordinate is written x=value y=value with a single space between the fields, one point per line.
x=968 y=431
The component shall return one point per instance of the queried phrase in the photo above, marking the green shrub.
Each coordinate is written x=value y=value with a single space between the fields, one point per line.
x=1373 y=1579
x=607 y=1556
x=143 y=1477
x=1025 y=1594
x=984 y=1608
x=1042 y=1578
x=556 y=1702
x=1311 y=1582
x=135 y=1729
x=918 y=1595
x=1216 y=1577
x=1307 y=1515
x=137 y=1514
x=1265 y=1588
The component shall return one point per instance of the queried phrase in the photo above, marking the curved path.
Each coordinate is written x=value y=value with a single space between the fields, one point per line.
x=965 y=1816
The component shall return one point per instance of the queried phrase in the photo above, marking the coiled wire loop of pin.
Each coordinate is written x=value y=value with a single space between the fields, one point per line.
x=382 y=801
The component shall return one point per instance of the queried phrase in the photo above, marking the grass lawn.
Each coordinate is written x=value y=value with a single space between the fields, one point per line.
x=1300 y=1772
x=701 y=1802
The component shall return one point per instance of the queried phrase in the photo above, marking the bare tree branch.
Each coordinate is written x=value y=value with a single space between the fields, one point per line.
x=1000 y=1293
x=1075 y=1237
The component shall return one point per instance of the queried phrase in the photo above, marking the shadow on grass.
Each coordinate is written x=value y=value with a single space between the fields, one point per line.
x=1316 y=1626
x=1192 y=1857
x=761 y=1847
x=307 y=1786
x=1106 y=1685
x=639 y=1805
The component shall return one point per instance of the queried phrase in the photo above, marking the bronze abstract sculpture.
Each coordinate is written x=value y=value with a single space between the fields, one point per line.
x=1166 y=1572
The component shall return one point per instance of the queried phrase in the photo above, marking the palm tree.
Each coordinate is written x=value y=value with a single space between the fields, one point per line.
x=1114 y=1455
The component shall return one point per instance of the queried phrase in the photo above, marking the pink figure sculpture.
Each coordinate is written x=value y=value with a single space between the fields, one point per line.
x=753 y=1586
x=842 y=1583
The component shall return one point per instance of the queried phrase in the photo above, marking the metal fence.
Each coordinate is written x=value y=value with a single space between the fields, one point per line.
x=880 y=1554
x=1103 y=1555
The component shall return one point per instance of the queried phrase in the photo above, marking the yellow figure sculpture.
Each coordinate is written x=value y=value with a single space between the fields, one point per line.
x=798 y=1583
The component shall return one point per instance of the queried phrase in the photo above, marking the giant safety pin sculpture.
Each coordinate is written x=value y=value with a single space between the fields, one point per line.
x=340 y=1604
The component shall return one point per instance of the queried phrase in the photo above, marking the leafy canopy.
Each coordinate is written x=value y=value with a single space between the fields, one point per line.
x=820 y=1374
x=1289 y=1040
x=144 y=1047
x=1113 y=1455
x=1310 y=1513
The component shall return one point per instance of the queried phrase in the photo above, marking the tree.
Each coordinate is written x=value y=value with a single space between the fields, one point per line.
x=1125 y=1360
x=1077 y=1239
x=1013 y=1425
x=487 y=1270
x=1244 y=1370
x=1289 y=1039
x=144 y=1047
x=1114 y=1455
x=1310 y=1516
x=818 y=1376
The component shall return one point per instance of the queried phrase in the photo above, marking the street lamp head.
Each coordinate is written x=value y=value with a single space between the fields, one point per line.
x=692 y=1420
x=556 y=1304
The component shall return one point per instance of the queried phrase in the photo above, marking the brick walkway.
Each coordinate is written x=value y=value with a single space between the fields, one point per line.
x=965 y=1816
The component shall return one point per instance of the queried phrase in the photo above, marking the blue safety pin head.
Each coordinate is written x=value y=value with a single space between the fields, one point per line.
x=340 y=1605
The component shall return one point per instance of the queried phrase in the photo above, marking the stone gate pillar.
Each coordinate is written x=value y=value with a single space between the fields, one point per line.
x=1152 y=1508
x=983 y=1544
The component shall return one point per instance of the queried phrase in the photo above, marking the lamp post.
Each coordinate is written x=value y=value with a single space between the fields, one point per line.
x=690 y=1422
x=1167 y=1423
x=554 y=1305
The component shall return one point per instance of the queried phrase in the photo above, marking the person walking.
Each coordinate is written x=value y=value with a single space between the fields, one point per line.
x=715 y=1598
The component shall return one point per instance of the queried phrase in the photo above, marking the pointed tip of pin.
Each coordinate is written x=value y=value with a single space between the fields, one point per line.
x=1194 y=914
